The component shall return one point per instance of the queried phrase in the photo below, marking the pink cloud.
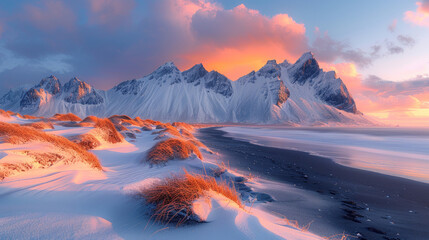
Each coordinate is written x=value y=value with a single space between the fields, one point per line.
x=419 y=17
x=392 y=26
x=405 y=103
x=243 y=38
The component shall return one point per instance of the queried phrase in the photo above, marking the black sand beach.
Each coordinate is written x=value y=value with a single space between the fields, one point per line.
x=364 y=204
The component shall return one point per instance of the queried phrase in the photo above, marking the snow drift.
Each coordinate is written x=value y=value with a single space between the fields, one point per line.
x=33 y=148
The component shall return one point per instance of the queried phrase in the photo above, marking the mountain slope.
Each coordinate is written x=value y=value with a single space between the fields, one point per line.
x=300 y=93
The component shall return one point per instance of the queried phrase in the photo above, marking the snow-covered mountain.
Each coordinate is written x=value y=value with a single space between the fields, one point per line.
x=299 y=93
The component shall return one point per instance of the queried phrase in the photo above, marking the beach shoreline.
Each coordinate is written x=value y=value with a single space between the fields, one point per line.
x=365 y=204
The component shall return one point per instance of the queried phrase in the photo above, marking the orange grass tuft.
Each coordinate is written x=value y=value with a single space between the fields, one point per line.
x=30 y=117
x=173 y=197
x=146 y=128
x=221 y=169
x=148 y=121
x=87 y=141
x=4 y=113
x=40 y=125
x=182 y=125
x=16 y=134
x=170 y=149
x=103 y=128
x=123 y=120
x=108 y=130
x=167 y=129
x=66 y=117
x=90 y=119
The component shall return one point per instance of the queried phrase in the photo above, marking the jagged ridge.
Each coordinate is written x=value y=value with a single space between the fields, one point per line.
x=297 y=93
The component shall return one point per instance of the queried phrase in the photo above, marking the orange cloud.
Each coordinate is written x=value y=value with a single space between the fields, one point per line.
x=399 y=103
x=347 y=72
x=239 y=40
x=236 y=62
x=421 y=16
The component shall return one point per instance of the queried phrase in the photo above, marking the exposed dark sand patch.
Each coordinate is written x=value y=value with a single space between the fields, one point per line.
x=366 y=204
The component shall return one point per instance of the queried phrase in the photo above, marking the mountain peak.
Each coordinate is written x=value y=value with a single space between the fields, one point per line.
x=169 y=64
x=305 y=68
x=271 y=62
x=196 y=67
x=165 y=69
x=285 y=63
x=218 y=83
x=270 y=70
x=51 y=84
x=305 y=57
x=53 y=77
x=194 y=73
x=75 y=84
x=75 y=79
x=78 y=91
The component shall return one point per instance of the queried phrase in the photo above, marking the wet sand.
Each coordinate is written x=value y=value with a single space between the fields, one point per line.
x=365 y=204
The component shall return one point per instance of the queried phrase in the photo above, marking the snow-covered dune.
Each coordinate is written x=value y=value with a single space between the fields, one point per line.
x=75 y=201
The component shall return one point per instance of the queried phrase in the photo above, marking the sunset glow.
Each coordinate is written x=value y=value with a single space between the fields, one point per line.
x=214 y=119
x=233 y=39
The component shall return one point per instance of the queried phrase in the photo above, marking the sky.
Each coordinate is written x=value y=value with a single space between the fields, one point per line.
x=378 y=48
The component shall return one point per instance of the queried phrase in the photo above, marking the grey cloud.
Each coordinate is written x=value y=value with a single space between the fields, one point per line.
x=406 y=40
x=375 y=50
x=393 y=49
x=328 y=49
x=420 y=84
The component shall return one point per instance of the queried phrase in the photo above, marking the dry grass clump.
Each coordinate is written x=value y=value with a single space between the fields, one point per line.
x=104 y=130
x=16 y=134
x=171 y=149
x=182 y=125
x=120 y=127
x=146 y=128
x=168 y=129
x=123 y=120
x=66 y=117
x=4 y=113
x=119 y=121
x=147 y=121
x=30 y=117
x=163 y=126
x=221 y=169
x=90 y=119
x=8 y=169
x=173 y=197
x=185 y=133
x=41 y=160
x=40 y=125
x=146 y=125
x=108 y=131
x=87 y=141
